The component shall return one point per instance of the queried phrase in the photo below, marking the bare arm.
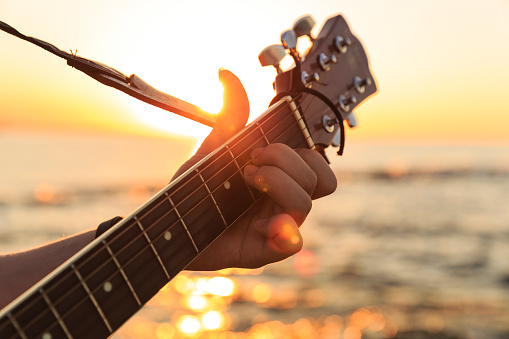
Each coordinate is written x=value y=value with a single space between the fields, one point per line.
x=19 y=271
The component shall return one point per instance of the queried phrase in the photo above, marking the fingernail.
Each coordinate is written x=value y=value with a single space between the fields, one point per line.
x=289 y=239
x=260 y=222
x=250 y=170
x=256 y=152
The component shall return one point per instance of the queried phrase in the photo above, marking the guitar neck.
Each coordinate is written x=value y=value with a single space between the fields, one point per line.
x=97 y=290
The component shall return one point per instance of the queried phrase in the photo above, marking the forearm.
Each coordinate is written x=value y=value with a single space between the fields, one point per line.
x=20 y=270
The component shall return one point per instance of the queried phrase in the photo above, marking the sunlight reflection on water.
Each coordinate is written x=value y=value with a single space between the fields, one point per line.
x=412 y=245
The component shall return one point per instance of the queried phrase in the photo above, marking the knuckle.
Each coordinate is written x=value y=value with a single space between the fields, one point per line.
x=311 y=182
x=277 y=149
x=307 y=204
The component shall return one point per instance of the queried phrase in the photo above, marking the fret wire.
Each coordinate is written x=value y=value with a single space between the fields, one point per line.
x=153 y=248
x=55 y=313
x=234 y=159
x=284 y=105
x=94 y=301
x=181 y=219
x=122 y=272
x=175 y=206
x=109 y=250
x=214 y=200
x=239 y=168
x=17 y=326
x=117 y=264
x=263 y=133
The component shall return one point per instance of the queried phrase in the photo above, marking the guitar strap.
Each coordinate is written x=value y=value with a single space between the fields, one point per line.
x=132 y=85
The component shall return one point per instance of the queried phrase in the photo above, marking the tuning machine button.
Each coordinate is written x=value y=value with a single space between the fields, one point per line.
x=303 y=26
x=360 y=84
x=289 y=41
x=342 y=44
x=307 y=79
x=328 y=123
x=325 y=61
x=336 y=141
x=272 y=56
x=344 y=102
x=351 y=119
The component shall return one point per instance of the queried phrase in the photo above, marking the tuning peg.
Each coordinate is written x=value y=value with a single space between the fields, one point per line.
x=272 y=56
x=344 y=102
x=307 y=79
x=360 y=84
x=336 y=141
x=289 y=41
x=342 y=44
x=325 y=62
x=304 y=25
x=351 y=119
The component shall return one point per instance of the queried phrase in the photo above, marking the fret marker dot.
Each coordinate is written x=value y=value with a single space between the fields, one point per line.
x=46 y=335
x=227 y=185
x=167 y=235
x=107 y=286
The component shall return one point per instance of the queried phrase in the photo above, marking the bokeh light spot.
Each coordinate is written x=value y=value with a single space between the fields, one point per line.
x=188 y=324
x=306 y=263
x=261 y=293
x=221 y=286
x=44 y=192
x=212 y=320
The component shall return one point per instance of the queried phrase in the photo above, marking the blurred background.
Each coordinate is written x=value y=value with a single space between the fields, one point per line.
x=411 y=245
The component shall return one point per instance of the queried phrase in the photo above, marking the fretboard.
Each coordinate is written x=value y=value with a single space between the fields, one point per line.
x=97 y=290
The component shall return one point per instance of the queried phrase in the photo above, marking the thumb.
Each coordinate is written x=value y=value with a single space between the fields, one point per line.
x=232 y=117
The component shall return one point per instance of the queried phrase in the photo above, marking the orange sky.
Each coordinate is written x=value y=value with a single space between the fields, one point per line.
x=441 y=66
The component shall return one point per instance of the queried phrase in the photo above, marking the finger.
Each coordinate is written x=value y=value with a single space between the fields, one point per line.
x=281 y=188
x=326 y=180
x=232 y=117
x=283 y=236
x=282 y=156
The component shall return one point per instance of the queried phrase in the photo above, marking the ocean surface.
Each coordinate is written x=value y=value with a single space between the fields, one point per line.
x=413 y=244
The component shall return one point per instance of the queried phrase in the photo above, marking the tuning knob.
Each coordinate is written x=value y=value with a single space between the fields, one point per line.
x=351 y=119
x=342 y=44
x=272 y=56
x=325 y=62
x=307 y=79
x=304 y=25
x=360 y=84
x=336 y=141
x=344 y=102
x=289 y=41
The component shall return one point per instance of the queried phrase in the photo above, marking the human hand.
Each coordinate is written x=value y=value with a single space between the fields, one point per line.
x=269 y=231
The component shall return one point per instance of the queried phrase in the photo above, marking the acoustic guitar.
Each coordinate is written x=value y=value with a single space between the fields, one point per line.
x=93 y=293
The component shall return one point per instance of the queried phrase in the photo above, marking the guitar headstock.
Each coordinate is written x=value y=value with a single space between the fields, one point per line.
x=333 y=72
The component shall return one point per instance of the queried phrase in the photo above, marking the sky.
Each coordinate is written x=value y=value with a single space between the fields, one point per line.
x=441 y=66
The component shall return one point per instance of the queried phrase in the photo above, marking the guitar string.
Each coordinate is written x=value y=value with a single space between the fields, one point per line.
x=263 y=123
x=149 y=244
x=194 y=176
x=145 y=247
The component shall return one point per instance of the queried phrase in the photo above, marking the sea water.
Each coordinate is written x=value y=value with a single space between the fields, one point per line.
x=413 y=242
